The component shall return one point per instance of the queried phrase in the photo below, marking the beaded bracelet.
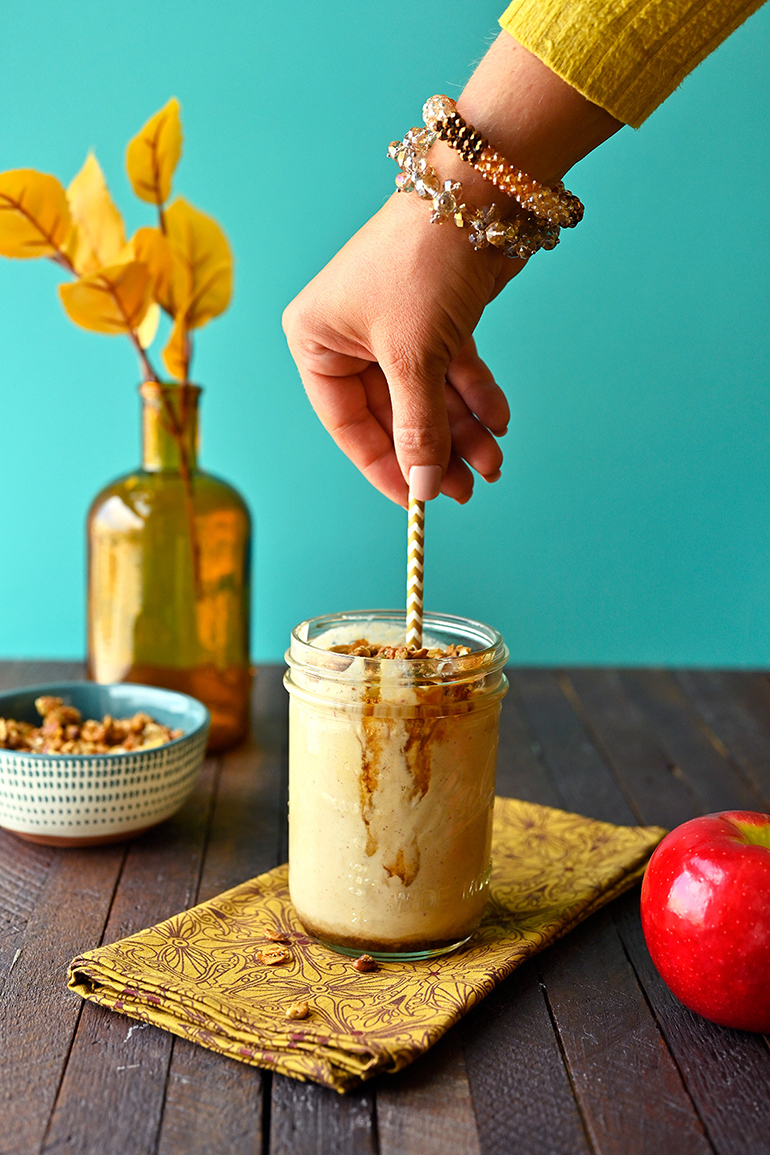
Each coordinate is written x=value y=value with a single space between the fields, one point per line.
x=554 y=204
x=520 y=237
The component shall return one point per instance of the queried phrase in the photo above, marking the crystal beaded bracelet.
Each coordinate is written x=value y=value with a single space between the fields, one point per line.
x=554 y=204
x=520 y=237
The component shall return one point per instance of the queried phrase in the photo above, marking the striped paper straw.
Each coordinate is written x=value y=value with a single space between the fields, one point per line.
x=414 y=571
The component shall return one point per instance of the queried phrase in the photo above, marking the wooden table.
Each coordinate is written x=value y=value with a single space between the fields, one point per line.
x=582 y=1050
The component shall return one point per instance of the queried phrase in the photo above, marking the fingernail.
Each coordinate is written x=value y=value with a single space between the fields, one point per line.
x=500 y=432
x=425 y=481
x=494 y=476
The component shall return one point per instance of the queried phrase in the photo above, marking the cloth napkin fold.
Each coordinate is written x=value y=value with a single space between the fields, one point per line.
x=197 y=974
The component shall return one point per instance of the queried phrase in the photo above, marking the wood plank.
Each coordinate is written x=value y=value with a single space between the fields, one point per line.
x=584 y=782
x=714 y=778
x=521 y=1091
x=21 y=673
x=631 y=1044
x=124 y=1065
x=306 y=1119
x=12 y=675
x=649 y=776
x=615 y=1049
x=520 y=772
x=735 y=708
x=727 y=1072
x=51 y=900
x=24 y=869
x=215 y=1104
x=426 y=1109
x=247 y=832
x=40 y=1014
x=756 y=684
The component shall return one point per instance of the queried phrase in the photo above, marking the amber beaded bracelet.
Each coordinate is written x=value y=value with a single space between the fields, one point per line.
x=554 y=204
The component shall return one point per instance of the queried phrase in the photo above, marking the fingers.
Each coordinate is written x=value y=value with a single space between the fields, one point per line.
x=338 y=379
x=471 y=440
x=458 y=480
x=473 y=380
x=355 y=402
x=342 y=406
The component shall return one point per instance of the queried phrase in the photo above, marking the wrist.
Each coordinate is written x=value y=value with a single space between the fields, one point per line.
x=443 y=241
x=523 y=217
x=441 y=253
x=477 y=190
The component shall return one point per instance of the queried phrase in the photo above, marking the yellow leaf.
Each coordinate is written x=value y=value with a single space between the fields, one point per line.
x=201 y=249
x=149 y=326
x=152 y=248
x=114 y=300
x=100 y=237
x=34 y=215
x=176 y=355
x=153 y=154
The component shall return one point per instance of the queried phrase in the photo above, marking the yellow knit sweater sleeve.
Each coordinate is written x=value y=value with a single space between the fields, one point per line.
x=625 y=55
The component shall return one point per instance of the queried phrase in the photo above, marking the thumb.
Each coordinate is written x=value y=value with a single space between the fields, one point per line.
x=421 y=433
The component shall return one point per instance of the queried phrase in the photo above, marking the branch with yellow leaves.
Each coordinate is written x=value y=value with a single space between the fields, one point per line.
x=184 y=266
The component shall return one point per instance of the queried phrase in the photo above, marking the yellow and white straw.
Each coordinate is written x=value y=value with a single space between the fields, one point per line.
x=414 y=572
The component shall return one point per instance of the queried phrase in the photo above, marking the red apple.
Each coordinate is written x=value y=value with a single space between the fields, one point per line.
x=706 y=916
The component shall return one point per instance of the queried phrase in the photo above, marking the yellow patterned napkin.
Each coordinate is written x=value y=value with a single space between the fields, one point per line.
x=197 y=974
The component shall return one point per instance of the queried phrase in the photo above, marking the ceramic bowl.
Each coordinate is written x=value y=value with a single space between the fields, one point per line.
x=91 y=799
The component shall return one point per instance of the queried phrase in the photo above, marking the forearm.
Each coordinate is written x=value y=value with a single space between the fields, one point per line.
x=531 y=116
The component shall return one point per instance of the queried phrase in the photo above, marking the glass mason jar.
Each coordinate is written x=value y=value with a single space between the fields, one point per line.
x=391 y=783
x=169 y=552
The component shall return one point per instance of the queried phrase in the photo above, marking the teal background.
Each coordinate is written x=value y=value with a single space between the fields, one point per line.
x=631 y=523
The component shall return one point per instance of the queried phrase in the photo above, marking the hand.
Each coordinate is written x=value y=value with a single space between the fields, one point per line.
x=382 y=336
x=383 y=341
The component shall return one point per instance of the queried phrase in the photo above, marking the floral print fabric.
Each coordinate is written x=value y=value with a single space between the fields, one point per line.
x=198 y=974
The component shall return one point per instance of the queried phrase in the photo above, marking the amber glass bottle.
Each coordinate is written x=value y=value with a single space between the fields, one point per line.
x=168 y=571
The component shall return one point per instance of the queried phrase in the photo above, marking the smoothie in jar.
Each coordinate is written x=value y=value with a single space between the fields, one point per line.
x=391 y=779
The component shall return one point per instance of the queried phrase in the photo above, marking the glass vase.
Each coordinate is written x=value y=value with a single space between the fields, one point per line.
x=169 y=551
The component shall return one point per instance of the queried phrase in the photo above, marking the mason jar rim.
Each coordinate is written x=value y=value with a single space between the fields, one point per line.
x=488 y=651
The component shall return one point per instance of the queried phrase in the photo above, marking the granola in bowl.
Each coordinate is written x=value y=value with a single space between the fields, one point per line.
x=63 y=731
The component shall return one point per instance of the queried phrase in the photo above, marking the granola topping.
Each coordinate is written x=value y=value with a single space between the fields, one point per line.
x=273 y=956
x=365 y=962
x=362 y=648
x=298 y=1010
x=275 y=933
x=63 y=731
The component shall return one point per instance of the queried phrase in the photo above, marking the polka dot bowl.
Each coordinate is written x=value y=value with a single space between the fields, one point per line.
x=92 y=799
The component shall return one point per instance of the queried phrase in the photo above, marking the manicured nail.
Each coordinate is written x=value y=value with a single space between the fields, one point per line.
x=425 y=481
x=494 y=476
x=501 y=432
